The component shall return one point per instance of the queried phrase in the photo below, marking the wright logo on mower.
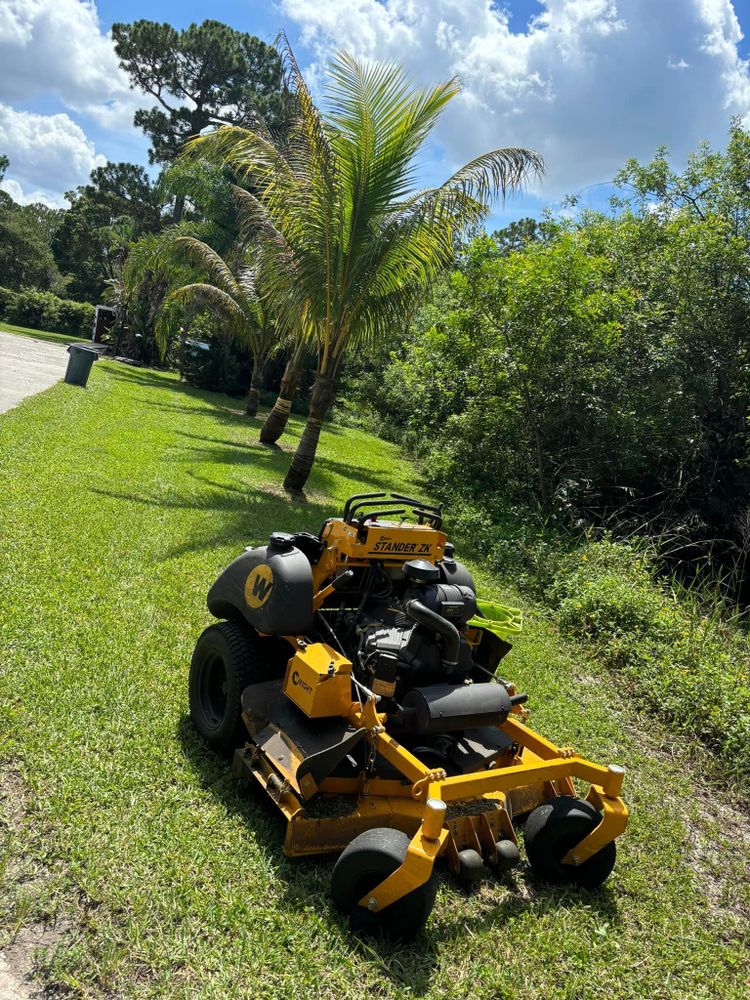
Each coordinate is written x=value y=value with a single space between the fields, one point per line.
x=354 y=676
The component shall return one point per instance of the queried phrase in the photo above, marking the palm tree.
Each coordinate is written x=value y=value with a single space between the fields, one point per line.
x=344 y=236
x=278 y=416
x=231 y=292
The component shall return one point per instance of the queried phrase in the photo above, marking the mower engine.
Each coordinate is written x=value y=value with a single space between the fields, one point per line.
x=413 y=637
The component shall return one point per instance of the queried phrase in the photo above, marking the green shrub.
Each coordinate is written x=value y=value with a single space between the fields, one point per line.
x=76 y=317
x=682 y=660
x=45 y=311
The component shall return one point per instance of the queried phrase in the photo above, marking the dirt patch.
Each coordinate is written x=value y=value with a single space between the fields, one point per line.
x=718 y=840
x=22 y=958
x=305 y=496
x=12 y=798
x=25 y=948
x=716 y=818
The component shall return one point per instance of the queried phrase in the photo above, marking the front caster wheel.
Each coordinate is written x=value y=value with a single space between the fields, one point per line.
x=555 y=827
x=364 y=864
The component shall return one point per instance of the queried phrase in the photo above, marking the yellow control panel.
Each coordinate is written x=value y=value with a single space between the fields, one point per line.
x=318 y=680
x=385 y=541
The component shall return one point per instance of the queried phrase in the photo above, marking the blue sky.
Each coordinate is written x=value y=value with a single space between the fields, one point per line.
x=587 y=82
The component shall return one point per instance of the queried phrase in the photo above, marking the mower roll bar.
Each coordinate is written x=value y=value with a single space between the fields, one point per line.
x=361 y=496
x=358 y=502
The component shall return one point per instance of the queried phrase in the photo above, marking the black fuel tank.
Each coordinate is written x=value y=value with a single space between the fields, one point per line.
x=453 y=571
x=271 y=587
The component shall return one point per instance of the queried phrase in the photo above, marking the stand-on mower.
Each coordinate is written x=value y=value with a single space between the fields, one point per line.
x=354 y=676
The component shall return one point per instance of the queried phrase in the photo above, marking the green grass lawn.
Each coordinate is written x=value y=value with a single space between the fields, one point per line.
x=118 y=506
x=25 y=331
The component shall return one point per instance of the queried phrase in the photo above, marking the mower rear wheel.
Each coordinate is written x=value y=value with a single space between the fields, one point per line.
x=555 y=827
x=365 y=863
x=227 y=658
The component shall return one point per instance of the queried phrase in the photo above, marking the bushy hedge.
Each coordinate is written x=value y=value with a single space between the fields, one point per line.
x=217 y=366
x=685 y=662
x=45 y=311
x=683 y=656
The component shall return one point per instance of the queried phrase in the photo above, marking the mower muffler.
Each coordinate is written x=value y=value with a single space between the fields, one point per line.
x=445 y=708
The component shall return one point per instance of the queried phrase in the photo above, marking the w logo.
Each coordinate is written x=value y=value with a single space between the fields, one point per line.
x=261 y=588
x=258 y=586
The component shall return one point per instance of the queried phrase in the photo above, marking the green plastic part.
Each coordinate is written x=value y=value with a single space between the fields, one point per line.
x=499 y=619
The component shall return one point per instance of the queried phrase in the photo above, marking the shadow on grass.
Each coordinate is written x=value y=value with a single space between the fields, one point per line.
x=232 y=408
x=226 y=452
x=225 y=442
x=412 y=964
x=234 y=513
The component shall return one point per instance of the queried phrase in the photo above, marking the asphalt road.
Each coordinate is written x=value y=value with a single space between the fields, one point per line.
x=28 y=366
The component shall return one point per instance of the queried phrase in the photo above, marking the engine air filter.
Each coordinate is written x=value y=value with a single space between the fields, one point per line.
x=421 y=570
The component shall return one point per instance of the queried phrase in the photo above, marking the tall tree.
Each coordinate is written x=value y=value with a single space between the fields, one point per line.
x=26 y=233
x=87 y=244
x=346 y=237
x=203 y=73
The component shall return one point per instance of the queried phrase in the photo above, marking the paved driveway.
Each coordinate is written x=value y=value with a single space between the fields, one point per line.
x=27 y=366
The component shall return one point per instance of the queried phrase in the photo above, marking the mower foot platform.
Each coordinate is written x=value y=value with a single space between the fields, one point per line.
x=304 y=751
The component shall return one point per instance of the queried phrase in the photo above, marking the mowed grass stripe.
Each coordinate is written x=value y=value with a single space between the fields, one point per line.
x=119 y=505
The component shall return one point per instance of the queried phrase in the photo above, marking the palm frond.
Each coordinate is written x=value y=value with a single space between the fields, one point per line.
x=209 y=261
x=496 y=173
x=343 y=242
x=210 y=296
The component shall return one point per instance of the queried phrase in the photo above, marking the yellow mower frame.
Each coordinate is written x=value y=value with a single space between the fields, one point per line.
x=443 y=816
x=534 y=771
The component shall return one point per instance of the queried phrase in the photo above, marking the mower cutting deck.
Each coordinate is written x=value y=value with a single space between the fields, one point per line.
x=354 y=675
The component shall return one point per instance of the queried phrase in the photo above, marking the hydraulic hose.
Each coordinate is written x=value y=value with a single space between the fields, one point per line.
x=436 y=623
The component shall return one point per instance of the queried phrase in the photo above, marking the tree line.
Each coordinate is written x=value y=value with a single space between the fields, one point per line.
x=593 y=369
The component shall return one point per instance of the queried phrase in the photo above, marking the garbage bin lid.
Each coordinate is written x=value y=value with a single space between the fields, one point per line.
x=83 y=347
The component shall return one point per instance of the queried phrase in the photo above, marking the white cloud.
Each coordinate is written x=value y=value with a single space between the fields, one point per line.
x=48 y=154
x=57 y=47
x=21 y=197
x=588 y=84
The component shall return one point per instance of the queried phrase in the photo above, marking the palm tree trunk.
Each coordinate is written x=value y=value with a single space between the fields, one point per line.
x=256 y=383
x=276 y=420
x=323 y=392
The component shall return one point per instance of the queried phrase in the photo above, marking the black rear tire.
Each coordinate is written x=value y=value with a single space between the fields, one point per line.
x=365 y=863
x=227 y=658
x=555 y=827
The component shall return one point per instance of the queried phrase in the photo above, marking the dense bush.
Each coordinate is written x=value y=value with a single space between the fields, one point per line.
x=44 y=311
x=215 y=363
x=681 y=656
x=682 y=659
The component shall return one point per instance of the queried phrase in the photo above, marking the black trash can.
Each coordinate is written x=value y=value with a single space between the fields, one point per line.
x=80 y=360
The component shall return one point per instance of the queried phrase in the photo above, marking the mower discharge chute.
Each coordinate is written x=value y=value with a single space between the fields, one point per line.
x=355 y=671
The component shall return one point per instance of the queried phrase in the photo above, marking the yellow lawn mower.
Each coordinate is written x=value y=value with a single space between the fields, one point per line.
x=354 y=676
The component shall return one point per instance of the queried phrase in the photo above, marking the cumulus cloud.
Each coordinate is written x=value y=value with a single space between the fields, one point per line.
x=31 y=197
x=48 y=154
x=588 y=84
x=57 y=47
